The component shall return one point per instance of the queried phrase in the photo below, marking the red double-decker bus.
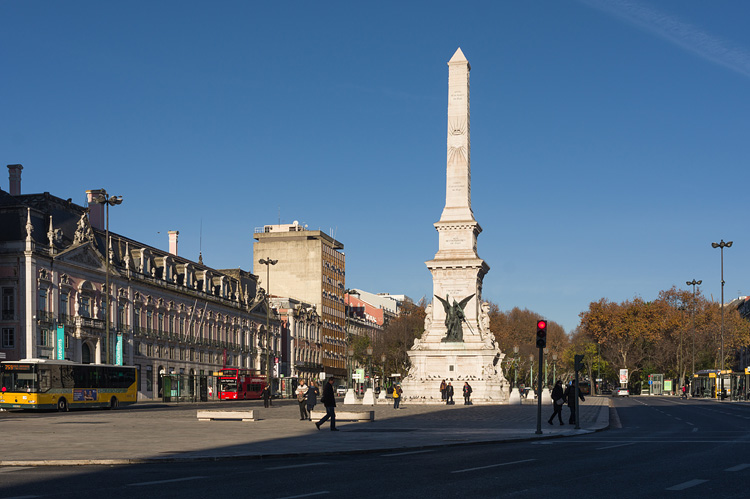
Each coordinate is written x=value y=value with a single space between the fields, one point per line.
x=240 y=384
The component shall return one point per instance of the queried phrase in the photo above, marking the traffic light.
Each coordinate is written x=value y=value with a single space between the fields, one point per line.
x=541 y=334
x=578 y=363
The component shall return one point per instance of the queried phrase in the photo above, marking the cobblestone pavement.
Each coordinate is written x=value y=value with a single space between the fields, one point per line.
x=171 y=431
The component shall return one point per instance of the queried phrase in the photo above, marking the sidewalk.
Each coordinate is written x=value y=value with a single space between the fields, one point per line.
x=159 y=432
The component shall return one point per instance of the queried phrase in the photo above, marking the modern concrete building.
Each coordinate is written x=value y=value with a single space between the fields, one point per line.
x=167 y=314
x=311 y=267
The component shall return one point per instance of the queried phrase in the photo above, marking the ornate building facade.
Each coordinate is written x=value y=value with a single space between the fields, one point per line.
x=166 y=314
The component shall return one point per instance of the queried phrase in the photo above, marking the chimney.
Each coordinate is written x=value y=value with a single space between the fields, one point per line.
x=96 y=210
x=14 y=172
x=173 y=241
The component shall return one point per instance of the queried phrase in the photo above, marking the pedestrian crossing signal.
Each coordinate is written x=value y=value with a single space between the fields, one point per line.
x=541 y=334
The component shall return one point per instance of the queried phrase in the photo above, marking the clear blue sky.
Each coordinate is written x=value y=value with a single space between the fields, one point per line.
x=609 y=138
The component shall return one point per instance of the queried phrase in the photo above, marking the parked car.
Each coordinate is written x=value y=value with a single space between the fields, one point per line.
x=341 y=390
x=621 y=392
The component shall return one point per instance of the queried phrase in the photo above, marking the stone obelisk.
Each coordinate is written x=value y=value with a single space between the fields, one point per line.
x=457 y=345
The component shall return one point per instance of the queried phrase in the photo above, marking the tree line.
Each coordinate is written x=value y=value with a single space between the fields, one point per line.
x=675 y=334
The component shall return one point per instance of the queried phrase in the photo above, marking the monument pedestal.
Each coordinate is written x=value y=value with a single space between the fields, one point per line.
x=456 y=363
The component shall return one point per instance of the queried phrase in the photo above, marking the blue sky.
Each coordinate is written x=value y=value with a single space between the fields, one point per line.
x=609 y=138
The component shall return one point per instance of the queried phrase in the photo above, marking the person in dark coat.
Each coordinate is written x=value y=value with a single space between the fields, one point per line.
x=329 y=401
x=312 y=399
x=570 y=397
x=558 y=399
x=467 y=393
x=449 y=394
x=266 y=394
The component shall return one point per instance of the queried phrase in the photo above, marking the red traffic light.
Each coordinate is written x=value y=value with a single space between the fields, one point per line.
x=541 y=324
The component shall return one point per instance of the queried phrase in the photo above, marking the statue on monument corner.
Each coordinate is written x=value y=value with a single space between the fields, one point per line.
x=454 y=315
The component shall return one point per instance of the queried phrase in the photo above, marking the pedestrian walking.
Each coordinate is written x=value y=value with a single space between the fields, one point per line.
x=449 y=394
x=443 y=388
x=467 y=393
x=570 y=397
x=301 y=393
x=329 y=401
x=558 y=399
x=266 y=394
x=312 y=399
x=397 y=396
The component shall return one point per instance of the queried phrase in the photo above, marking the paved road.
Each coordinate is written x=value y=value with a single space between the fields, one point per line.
x=161 y=432
x=656 y=447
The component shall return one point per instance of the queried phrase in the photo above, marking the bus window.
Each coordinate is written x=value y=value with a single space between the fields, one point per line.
x=44 y=380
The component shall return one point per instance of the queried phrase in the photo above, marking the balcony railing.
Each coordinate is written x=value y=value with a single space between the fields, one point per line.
x=89 y=323
x=45 y=316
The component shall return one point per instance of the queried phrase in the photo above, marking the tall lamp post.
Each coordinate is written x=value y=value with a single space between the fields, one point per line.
x=268 y=262
x=693 y=283
x=721 y=245
x=107 y=201
x=531 y=371
x=515 y=371
x=350 y=355
x=554 y=367
x=382 y=380
x=369 y=366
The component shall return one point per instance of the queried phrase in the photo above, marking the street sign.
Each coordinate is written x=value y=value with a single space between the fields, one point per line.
x=358 y=375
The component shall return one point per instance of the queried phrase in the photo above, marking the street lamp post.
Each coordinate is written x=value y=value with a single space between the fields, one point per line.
x=350 y=355
x=693 y=283
x=369 y=366
x=268 y=262
x=382 y=379
x=554 y=367
x=721 y=245
x=515 y=371
x=531 y=371
x=107 y=201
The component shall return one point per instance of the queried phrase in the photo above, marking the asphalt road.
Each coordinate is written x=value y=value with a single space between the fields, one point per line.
x=657 y=447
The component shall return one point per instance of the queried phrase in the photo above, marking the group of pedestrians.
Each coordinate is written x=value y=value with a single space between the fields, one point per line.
x=561 y=397
x=446 y=393
x=307 y=397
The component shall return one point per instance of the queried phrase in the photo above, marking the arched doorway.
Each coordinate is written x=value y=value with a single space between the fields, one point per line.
x=85 y=354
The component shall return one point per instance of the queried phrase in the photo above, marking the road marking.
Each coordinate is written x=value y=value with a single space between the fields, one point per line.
x=407 y=453
x=739 y=467
x=311 y=494
x=613 y=446
x=157 y=482
x=687 y=485
x=691 y=424
x=295 y=466
x=695 y=429
x=493 y=466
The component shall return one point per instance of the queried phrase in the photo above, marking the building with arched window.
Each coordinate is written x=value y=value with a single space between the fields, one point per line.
x=166 y=314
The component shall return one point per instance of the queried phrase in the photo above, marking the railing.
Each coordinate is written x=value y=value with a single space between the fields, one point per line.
x=89 y=322
x=68 y=320
x=44 y=316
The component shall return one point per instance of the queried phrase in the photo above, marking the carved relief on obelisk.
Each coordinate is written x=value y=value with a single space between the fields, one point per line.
x=458 y=185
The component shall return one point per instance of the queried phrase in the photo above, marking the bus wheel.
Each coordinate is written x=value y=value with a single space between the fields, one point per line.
x=114 y=403
x=62 y=405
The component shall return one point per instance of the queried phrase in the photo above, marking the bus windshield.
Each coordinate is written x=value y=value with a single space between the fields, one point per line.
x=228 y=385
x=18 y=381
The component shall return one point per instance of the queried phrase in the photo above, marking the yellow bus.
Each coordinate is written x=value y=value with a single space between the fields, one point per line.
x=63 y=385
